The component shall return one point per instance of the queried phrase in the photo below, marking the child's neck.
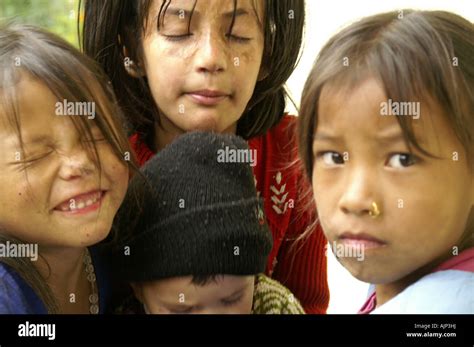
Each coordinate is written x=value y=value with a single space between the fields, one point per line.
x=386 y=292
x=64 y=272
x=166 y=132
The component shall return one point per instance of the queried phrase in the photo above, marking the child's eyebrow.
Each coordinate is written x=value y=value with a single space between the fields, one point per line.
x=385 y=138
x=322 y=136
x=390 y=138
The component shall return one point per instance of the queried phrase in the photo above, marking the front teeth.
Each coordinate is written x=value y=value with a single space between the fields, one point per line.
x=90 y=202
x=75 y=205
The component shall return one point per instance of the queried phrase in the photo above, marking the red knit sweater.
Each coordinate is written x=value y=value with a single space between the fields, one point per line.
x=288 y=202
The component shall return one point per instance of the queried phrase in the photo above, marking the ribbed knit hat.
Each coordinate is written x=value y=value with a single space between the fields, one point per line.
x=199 y=213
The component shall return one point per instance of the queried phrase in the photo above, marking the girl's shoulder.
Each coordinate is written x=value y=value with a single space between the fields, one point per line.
x=16 y=296
x=441 y=292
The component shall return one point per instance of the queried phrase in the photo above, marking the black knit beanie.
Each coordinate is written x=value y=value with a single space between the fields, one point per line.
x=198 y=215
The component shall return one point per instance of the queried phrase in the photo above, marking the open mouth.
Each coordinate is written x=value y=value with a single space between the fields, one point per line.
x=82 y=203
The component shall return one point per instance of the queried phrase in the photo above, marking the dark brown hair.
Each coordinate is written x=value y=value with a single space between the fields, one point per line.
x=109 y=25
x=70 y=76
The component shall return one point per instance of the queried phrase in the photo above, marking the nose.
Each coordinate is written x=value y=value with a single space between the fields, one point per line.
x=211 y=55
x=359 y=192
x=76 y=164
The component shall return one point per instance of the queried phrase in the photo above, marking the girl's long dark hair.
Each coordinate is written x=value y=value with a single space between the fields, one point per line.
x=109 y=25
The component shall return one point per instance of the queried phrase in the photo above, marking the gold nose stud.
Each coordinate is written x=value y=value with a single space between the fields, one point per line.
x=374 y=211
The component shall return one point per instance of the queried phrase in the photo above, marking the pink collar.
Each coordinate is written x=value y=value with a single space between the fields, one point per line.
x=463 y=262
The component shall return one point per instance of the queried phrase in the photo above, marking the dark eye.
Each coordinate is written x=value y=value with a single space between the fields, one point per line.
x=330 y=158
x=401 y=160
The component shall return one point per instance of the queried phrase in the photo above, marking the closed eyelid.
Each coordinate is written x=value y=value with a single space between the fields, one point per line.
x=235 y=294
x=180 y=308
x=27 y=160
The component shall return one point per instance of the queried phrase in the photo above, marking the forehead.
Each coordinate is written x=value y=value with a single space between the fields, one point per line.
x=33 y=102
x=170 y=289
x=353 y=108
x=35 y=106
x=357 y=112
x=215 y=9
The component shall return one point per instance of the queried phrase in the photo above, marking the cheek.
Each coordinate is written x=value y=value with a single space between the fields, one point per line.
x=119 y=176
x=246 y=67
x=165 y=74
x=434 y=208
x=20 y=195
x=245 y=306
x=115 y=170
x=323 y=195
x=20 y=210
x=165 y=63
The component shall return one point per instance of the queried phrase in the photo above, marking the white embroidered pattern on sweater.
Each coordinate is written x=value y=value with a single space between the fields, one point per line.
x=279 y=196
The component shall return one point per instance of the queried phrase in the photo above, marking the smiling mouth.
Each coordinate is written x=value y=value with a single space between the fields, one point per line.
x=83 y=203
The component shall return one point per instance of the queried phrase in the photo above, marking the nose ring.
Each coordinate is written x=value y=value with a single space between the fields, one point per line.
x=374 y=211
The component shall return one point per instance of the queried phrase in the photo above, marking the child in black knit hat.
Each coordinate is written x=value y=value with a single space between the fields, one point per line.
x=197 y=241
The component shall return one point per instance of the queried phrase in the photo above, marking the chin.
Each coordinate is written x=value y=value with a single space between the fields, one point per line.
x=94 y=234
x=368 y=275
x=360 y=271
x=210 y=120
x=203 y=123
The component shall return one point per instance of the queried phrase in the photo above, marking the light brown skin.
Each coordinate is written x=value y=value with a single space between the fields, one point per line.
x=438 y=194
x=206 y=60
x=227 y=295
x=62 y=169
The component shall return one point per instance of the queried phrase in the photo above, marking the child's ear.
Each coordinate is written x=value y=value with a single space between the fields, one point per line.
x=138 y=290
x=133 y=68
